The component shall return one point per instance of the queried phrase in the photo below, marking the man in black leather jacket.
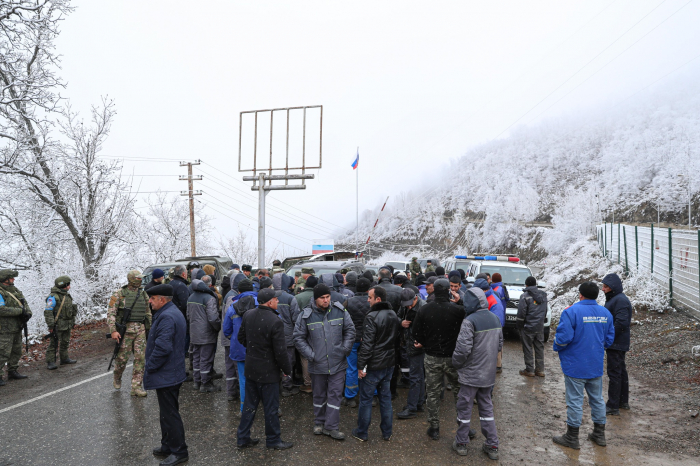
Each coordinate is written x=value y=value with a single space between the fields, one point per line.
x=375 y=362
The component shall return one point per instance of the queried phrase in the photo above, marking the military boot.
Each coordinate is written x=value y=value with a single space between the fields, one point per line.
x=16 y=375
x=51 y=366
x=117 y=383
x=598 y=434
x=138 y=391
x=68 y=361
x=569 y=439
x=2 y=381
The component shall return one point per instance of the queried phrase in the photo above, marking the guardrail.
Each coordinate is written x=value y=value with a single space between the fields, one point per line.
x=669 y=255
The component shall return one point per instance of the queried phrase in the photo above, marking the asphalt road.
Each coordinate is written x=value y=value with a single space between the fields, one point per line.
x=90 y=423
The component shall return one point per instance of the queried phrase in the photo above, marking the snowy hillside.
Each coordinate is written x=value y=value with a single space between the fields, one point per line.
x=630 y=155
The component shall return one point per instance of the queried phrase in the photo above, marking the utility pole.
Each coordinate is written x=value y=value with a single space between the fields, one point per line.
x=191 y=193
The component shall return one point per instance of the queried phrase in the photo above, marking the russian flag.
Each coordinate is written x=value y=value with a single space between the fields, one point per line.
x=357 y=160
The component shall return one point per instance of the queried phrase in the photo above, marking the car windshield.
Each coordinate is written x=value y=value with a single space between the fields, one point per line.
x=510 y=275
x=397 y=265
x=424 y=263
x=318 y=271
x=464 y=265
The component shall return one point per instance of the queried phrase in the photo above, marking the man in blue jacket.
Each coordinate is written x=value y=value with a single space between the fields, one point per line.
x=585 y=330
x=164 y=372
x=621 y=309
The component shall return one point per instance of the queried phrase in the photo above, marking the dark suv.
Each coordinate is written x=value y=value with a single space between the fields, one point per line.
x=321 y=267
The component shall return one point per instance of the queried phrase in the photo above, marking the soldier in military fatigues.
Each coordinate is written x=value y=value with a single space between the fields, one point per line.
x=430 y=267
x=130 y=295
x=11 y=320
x=306 y=272
x=60 y=311
x=415 y=269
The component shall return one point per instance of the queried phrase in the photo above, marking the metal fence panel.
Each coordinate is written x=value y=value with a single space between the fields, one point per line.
x=671 y=257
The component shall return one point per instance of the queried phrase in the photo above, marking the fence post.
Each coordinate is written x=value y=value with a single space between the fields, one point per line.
x=618 y=242
x=627 y=264
x=670 y=268
x=698 y=268
x=652 y=250
x=636 y=247
x=605 y=240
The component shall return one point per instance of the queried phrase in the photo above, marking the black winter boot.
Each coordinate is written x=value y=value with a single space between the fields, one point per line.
x=68 y=361
x=51 y=366
x=598 y=434
x=16 y=375
x=569 y=439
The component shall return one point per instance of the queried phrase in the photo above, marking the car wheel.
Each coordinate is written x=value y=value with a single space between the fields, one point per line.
x=546 y=335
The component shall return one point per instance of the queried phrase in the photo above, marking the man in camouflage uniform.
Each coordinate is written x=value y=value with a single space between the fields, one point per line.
x=415 y=269
x=12 y=318
x=306 y=272
x=130 y=295
x=429 y=267
x=60 y=312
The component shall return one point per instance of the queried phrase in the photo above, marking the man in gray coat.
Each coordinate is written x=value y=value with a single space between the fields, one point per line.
x=532 y=310
x=479 y=341
x=324 y=335
x=288 y=309
x=205 y=323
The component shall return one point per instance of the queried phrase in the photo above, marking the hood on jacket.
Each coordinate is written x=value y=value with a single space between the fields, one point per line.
x=539 y=295
x=479 y=293
x=482 y=283
x=351 y=278
x=277 y=281
x=329 y=280
x=614 y=282
x=199 y=285
x=236 y=280
x=232 y=278
x=200 y=274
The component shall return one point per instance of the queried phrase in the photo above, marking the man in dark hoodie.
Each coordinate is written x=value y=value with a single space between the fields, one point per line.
x=621 y=309
x=331 y=282
x=205 y=323
x=435 y=329
x=358 y=307
x=532 y=310
x=351 y=281
x=288 y=310
x=479 y=341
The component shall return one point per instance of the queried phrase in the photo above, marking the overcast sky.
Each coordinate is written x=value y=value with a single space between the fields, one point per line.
x=413 y=84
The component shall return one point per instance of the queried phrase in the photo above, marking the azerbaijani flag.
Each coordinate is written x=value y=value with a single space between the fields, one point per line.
x=357 y=160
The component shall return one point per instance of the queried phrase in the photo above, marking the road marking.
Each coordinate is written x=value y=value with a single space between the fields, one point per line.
x=4 y=410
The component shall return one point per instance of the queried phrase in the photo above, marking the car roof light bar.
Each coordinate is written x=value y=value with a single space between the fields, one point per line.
x=490 y=258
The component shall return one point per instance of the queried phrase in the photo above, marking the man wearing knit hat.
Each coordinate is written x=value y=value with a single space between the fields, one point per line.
x=324 y=334
x=156 y=279
x=585 y=330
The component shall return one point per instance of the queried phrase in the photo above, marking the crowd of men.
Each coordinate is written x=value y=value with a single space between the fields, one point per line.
x=347 y=339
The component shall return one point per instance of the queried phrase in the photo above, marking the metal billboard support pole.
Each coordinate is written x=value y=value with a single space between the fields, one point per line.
x=261 y=221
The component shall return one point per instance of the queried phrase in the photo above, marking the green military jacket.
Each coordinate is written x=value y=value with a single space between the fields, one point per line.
x=301 y=283
x=430 y=268
x=11 y=309
x=415 y=268
x=60 y=301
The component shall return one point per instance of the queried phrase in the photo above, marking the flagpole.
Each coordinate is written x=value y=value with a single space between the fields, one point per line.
x=357 y=203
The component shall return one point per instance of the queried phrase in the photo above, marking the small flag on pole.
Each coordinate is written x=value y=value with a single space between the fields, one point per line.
x=357 y=160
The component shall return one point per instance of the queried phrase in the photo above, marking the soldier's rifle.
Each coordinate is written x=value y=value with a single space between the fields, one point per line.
x=121 y=328
x=25 y=319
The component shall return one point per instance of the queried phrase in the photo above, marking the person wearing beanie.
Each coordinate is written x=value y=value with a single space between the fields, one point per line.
x=303 y=298
x=324 y=334
x=429 y=267
x=410 y=305
x=164 y=371
x=435 y=329
x=358 y=307
x=288 y=309
x=532 y=310
x=157 y=277
x=500 y=289
x=440 y=272
x=585 y=331
x=246 y=300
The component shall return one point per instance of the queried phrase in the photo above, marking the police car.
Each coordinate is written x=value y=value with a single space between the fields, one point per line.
x=513 y=273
